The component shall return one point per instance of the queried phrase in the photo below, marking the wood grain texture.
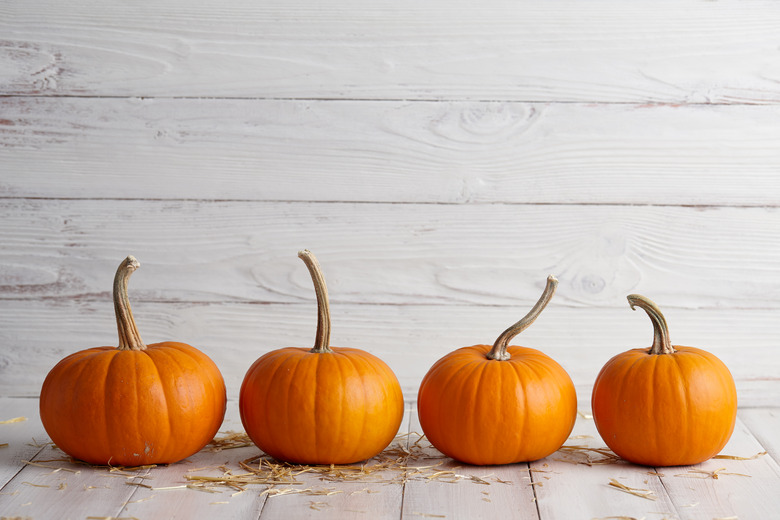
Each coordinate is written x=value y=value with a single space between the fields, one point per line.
x=745 y=489
x=441 y=159
x=16 y=437
x=741 y=487
x=168 y=497
x=407 y=282
x=392 y=253
x=566 y=51
x=586 y=488
x=506 y=488
x=36 y=335
x=91 y=493
x=764 y=423
x=389 y=151
x=562 y=485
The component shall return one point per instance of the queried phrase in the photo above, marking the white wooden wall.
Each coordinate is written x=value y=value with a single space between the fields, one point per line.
x=440 y=159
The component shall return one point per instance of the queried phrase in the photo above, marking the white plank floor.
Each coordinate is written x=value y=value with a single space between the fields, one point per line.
x=38 y=482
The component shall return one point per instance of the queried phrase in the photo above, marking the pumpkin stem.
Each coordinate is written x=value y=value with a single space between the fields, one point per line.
x=661 y=342
x=498 y=352
x=322 y=341
x=129 y=338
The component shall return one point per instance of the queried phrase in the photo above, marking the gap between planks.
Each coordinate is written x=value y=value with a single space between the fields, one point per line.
x=703 y=491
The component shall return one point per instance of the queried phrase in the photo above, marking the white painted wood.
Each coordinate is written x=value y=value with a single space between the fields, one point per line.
x=567 y=51
x=165 y=497
x=378 y=496
x=504 y=490
x=56 y=488
x=409 y=338
x=508 y=490
x=349 y=500
x=564 y=489
x=389 y=151
x=393 y=253
x=764 y=423
x=344 y=500
x=459 y=262
x=743 y=489
x=440 y=159
x=16 y=438
x=568 y=488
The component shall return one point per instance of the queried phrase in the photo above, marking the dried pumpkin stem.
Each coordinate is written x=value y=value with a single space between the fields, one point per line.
x=129 y=338
x=661 y=342
x=322 y=341
x=498 y=352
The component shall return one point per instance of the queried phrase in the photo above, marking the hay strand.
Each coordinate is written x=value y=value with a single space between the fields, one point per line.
x=643 y=493
x=14 y=420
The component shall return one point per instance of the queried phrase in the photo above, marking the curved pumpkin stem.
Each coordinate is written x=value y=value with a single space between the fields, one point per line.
x=498 y=352
x=322 y=341
x=129 y=338
x=662 y=344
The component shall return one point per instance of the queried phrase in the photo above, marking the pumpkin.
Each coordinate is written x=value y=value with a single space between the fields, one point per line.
x=320 y=405
x=134 y=404
x=665 y=405
x=501 y=404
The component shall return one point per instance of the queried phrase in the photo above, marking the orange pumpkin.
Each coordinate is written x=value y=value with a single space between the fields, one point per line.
x=324 y=405
x=666 y=405
x=135 y=404
x=501 y=404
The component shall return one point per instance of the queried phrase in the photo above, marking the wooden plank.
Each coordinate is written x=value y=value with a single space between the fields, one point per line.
x=168 y=497
x=683 y=52
x=409 y=338
x=742 y=489
x=718 y=488
x=52 y=483
x=376 y=494
x=501 y=488
x=464 y=491
x=453 y=152
x=21 y=439
x=763 y=424
x=315 y=498
x=393 y=253
x=52 y=487
x=571 y=484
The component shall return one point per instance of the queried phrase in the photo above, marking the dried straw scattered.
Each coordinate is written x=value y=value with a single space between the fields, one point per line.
x=697 y=473
x=643 y=493
x=35 y=485
x=36 y=444
x=581 y=454
x=408 y=458
x=734 y=457
x=230 y=440
x=14 y=420
x=45 y=464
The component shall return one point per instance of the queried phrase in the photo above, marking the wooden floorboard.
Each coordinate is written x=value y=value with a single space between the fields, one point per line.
x=465 y=491
x=410 y=480
x=764 y=423
x=576 y=484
